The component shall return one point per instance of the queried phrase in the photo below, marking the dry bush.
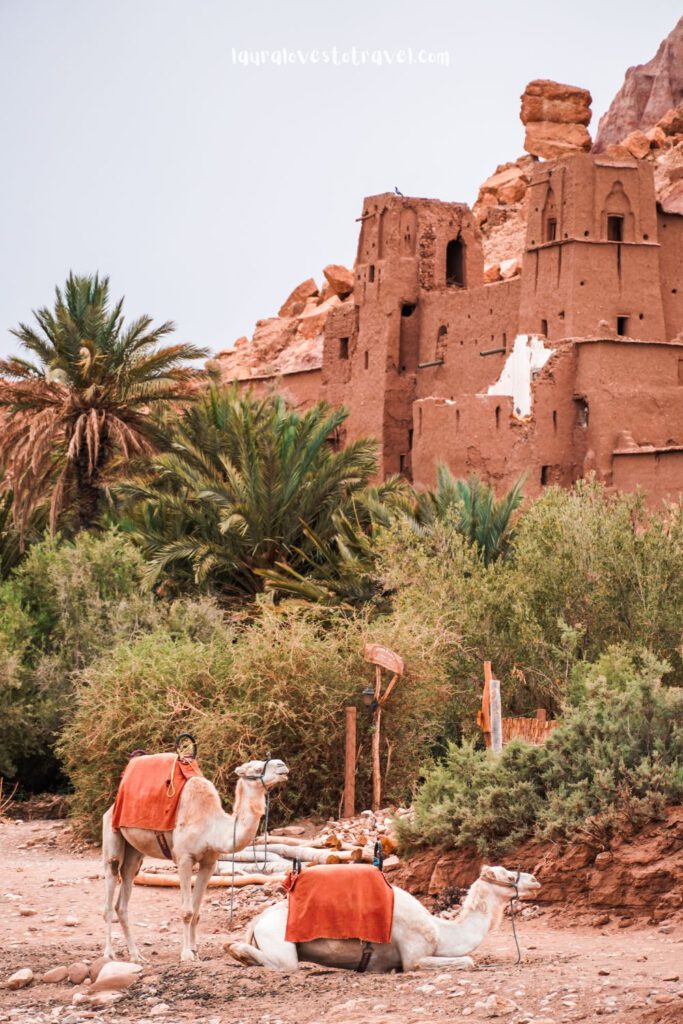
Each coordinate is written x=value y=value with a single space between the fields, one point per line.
x=280 y=684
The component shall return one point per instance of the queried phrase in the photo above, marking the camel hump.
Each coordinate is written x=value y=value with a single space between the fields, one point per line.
x=199 y=800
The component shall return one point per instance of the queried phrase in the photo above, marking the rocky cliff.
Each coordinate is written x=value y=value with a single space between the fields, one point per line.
x=649 y=90
x=644 y=122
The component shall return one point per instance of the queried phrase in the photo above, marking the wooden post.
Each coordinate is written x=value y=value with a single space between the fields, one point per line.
x=541 y=715
x=376 y=772
x=496 y=735
x=350 y=764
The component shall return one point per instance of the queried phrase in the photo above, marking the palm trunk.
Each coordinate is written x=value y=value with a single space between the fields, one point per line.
x=87 y=492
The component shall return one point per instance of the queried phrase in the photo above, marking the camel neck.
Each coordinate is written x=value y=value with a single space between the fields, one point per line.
x=481 y=911
x=248 y=809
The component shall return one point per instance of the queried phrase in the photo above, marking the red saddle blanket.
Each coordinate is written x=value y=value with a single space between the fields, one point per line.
x=339 y=901
x=150 y=789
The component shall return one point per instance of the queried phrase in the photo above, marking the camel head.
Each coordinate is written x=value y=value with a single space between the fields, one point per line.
x=504 y=881
x=270 y=772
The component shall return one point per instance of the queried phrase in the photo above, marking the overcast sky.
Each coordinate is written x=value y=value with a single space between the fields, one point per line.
x=140 y=139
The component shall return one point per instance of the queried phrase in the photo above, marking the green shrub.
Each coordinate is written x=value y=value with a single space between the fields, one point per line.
x=617 y=754
x=280 y=684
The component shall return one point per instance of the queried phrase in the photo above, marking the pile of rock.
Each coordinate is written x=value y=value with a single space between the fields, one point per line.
x=293 y=339
x=96 y=984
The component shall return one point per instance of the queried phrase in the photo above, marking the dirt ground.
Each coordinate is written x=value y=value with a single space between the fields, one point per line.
x=569 y=972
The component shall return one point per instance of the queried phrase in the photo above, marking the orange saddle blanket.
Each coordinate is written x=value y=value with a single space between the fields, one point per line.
x=150 y=789
x=339 y=901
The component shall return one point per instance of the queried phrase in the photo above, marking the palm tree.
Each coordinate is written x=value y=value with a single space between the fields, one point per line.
x=86 y=400
x=472 y=506
x=247 y=484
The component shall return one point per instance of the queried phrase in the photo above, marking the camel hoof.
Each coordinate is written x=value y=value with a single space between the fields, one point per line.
x=237 y=951
x=187 y=956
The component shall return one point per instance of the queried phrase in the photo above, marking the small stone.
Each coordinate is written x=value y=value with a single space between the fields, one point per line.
x=116 y=974
x=96 y=966
x=665 y=997
x=671 y=977
x=54 y=976
x=160 y=1008
x=604 y=971
x=78 y=972
x=666 y=929
x=20 y=979
x=600 y=920
x=27 y=911
x=71 y=921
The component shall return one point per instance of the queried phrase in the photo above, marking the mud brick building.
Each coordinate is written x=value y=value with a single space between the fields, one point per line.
x=572 y=365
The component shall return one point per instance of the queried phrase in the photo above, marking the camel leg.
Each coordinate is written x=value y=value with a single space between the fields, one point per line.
x=129 y=869
x=185 y=865
x=200 y=884
x=426 y=963
x=113 y=853
x=270 y=948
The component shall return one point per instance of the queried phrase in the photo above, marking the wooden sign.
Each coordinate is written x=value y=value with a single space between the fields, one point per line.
x=382 y=656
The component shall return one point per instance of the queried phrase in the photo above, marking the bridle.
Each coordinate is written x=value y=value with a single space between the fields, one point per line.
x=251 y=778
x=508 y=885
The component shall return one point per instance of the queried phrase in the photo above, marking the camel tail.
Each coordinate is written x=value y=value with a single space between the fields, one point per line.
x=249 y=934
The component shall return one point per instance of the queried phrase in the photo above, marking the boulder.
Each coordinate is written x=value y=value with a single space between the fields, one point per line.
x=637 y=144
x=114 y=976
x=510 y=268
x=54 y=976
x=20 y=979
x=672 y=122
x=340 y=279
x=302 y=292
x=549 y=139
x=648 y=92
x=96 y=966
x=78 y=972
x=544 y=100
x=492 y=273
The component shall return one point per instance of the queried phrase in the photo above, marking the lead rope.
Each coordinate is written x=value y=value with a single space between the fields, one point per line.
x=512 y=919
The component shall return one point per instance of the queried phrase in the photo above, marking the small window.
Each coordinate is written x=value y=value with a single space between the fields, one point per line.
x=545 y=475
x=343 y=348
x=401 y=463
x=455 y=263
x=419 y=418
x=407 y=309
x=410 y=440
x=550 y=229
x=371 y=273
x=367 y=359
x=555 y=419
x=497 y=417
x=615 y=229
x=544 y=328
x=622 y=326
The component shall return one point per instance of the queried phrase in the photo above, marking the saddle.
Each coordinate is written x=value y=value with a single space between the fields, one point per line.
x=339 y=901
x=150 y=789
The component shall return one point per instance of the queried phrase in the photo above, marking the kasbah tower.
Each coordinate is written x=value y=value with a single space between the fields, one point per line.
x=540 y=332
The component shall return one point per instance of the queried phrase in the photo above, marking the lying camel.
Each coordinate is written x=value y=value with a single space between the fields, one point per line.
x=202 y=832
x=418 y=939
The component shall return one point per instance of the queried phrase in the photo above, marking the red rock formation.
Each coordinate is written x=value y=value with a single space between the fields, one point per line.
x=638 y=871
x=555 y=117
x=649 y=90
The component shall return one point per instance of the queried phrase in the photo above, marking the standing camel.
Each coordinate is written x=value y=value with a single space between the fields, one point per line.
x=419 y=940
x=202 y=832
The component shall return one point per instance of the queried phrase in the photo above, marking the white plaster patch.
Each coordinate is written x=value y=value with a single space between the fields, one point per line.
x=528 y=356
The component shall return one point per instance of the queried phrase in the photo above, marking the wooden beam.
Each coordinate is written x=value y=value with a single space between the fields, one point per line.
x=350 y=764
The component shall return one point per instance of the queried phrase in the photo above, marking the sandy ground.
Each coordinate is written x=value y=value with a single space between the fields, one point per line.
x=570 y=971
